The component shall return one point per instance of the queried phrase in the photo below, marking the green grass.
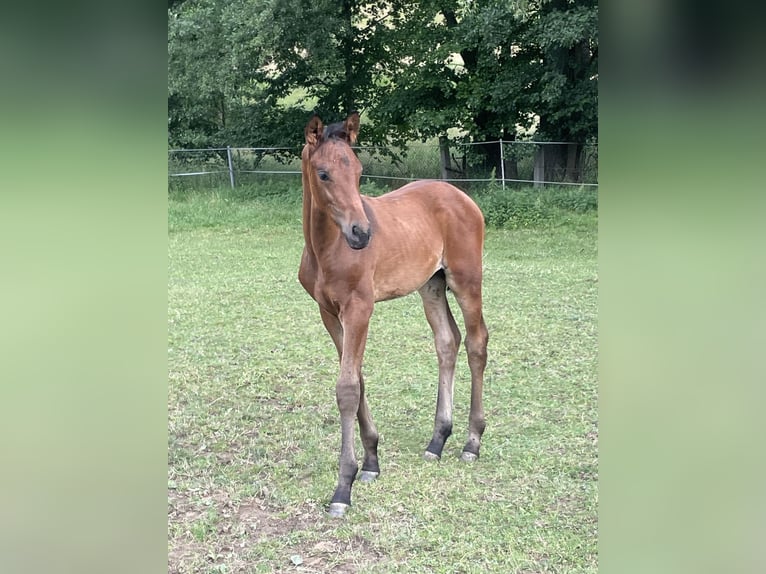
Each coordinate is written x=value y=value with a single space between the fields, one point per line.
x=253 y=426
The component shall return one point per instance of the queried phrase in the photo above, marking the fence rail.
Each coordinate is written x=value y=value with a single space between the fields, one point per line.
x=506 y=163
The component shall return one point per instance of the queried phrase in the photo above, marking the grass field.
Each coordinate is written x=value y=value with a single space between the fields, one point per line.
x=254 y=429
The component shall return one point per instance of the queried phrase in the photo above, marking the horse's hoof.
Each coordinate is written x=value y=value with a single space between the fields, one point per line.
x=428 y=455
x=469 y=456
x=337 y=509
x=368 y=476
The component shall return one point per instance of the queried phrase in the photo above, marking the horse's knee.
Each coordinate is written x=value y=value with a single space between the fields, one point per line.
x=476 y=346
x=447 y=345
x=347 y=395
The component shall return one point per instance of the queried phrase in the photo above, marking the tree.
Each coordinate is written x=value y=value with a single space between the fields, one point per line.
x=330 y=51
x=490 y=68
x=564 y=91
x=218 y=83
x=244 y=72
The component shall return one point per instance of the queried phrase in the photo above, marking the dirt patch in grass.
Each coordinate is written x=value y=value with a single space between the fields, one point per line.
x=333 y=555
x=261 y=523
x=212 y=532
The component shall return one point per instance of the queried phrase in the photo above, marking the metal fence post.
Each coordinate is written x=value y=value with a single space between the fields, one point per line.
x=502 y=163
x=231 y=168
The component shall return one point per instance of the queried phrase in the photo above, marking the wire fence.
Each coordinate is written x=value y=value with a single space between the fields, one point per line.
x=515 y=164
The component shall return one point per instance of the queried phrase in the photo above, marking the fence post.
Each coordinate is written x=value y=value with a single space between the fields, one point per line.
x=502 y=163
x=539 y=175
x=231 y=168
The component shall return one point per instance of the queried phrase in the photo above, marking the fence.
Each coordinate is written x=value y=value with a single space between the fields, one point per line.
x=506 y=163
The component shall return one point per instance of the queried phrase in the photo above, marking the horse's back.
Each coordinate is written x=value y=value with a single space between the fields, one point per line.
x=434 y=198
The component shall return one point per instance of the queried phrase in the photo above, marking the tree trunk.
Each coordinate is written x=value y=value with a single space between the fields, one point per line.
x=509 y=158
x=574 y=163
x=490 y=150
x=444 y=159
x=563 y=162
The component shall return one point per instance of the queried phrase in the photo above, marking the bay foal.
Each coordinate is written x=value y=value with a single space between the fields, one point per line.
x=425 y=237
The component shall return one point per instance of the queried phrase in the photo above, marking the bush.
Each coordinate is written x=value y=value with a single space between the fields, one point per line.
x=530 y=207
x=373 y=189
x=578 y=200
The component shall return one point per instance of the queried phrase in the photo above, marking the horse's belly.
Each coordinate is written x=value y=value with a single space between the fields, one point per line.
x=404 y=278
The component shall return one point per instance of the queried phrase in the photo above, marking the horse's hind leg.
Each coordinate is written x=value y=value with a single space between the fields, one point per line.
x=467 y=289
x=447 y=342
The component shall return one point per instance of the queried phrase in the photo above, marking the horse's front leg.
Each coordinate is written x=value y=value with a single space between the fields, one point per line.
x=355 y=319
x=367 y=430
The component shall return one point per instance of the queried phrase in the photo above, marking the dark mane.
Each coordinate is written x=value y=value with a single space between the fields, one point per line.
x=335 y=131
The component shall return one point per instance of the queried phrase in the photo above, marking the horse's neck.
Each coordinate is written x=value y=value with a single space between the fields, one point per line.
x=306 y=180
x=306 y=212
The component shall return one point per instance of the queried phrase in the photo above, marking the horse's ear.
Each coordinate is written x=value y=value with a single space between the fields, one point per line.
x=351 y=126
x=313 y=131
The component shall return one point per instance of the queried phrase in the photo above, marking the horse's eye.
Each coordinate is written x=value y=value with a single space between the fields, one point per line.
x=324 y=176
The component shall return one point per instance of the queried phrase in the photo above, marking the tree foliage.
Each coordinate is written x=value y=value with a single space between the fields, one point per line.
x=249 y=72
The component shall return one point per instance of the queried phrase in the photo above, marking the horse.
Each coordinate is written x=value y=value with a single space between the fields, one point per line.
x=426 y=236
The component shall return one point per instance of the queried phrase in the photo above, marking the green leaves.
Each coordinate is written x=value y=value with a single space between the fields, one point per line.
x=565 y=28
x=249 y=72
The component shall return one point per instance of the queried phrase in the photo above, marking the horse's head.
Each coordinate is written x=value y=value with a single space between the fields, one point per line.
x=333 y=176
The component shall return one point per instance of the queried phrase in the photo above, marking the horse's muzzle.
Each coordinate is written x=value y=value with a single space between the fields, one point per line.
x=358 y=238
